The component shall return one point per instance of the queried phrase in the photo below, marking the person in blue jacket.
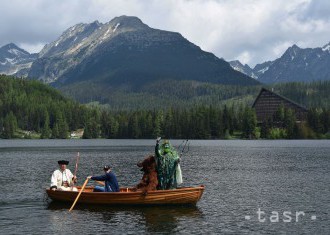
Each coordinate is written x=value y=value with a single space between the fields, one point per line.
x=110 y=180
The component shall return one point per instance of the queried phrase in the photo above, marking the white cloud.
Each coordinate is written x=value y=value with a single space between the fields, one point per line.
x=244 y=57
x=253 y=30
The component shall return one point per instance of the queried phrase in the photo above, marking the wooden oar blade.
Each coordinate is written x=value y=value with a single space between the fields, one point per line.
x=81 y=190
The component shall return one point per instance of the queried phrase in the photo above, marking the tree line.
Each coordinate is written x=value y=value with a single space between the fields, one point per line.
x=37 y=108
x=209 y=122
x=283 y=125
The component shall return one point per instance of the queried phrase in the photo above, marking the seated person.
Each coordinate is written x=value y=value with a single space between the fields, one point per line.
x=62 y=178
x=111 y=183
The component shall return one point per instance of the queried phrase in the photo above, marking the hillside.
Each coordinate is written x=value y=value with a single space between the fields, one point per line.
x=37 y=108
x=311 y=95
x=159 y=95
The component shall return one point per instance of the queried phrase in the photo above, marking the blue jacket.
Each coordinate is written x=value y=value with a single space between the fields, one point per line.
x=111 y=183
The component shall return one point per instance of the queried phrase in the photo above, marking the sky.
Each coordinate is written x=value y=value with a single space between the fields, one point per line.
x=252 y=31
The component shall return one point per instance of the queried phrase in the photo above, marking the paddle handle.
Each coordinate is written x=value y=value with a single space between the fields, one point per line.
x=75 y=170
x=81 y=190
x=100 y=182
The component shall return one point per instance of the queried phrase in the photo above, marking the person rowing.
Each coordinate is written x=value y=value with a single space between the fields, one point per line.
x=111 y=183
x=62 y=178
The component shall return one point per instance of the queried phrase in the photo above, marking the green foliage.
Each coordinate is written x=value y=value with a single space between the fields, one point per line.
x=277 y=133
x=46 y=131
x=160 y=95
x=312 y=95
x=9 y=126
x=200 y=122
x=205 y=112
x=249 y=123
x=257 y=132
x=36 y=107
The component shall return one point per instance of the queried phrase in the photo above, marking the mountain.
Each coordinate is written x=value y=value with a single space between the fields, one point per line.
x=246 y=69
x=15 y=61
x=255 y=72
x=299 y=65
x=128 y=54
x=260 y=69
x=295 y=65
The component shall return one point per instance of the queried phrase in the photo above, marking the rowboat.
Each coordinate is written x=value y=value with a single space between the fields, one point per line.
x=126 y=196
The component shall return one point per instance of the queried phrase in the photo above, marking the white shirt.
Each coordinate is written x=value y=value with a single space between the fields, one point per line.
x=58 y=177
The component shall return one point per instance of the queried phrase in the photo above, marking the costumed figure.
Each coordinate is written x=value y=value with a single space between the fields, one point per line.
x=62 y=178
x=149 y=180
x=168 y=167
x=110 y=180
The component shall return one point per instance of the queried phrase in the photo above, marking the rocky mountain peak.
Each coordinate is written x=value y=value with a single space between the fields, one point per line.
x=14 y=60
x=127 y=51
x=128 y=22
x=292 y=52
x=71 y=39
x=10 y=46
x=238 y=66
x=299 y=65
x=11 y=50
x=87 y=37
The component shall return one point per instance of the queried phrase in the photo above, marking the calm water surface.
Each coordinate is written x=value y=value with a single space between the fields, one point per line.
x=240 y=178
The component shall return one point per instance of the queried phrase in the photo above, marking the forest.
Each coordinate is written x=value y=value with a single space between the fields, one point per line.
x=30 y=109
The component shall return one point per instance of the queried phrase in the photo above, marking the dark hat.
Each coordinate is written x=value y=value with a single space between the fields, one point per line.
x=63 y=162
x=106 y=167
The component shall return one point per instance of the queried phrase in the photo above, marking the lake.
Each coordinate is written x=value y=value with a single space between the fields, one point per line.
x=259 y=187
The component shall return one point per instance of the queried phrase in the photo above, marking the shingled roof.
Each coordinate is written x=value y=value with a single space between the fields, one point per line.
x=267 y=103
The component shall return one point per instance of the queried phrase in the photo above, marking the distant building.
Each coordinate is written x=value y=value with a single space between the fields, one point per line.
x=268 y=102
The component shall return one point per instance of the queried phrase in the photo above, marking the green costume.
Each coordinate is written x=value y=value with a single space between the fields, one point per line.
x=167 y=160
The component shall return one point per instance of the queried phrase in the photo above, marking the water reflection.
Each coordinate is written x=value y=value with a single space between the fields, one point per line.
x=165 y=219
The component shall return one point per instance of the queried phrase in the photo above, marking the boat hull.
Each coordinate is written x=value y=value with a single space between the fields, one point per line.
x=126 y=196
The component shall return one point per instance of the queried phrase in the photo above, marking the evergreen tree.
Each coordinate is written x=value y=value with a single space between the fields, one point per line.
x=289 y=123
x=63 y=129
x=55 y=131
x=46 y=131
x=9 y=126
x=91 y=130
x=133 y=126
x=158 y=124
x=249 y=123
x=114 y=127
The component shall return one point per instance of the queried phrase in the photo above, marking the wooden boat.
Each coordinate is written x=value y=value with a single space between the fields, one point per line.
x=126 y=196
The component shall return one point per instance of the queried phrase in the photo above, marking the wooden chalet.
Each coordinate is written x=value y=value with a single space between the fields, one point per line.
x=268 y=102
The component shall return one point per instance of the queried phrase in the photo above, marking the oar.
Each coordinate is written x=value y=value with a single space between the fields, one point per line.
x=75 y=170
x=81 y=190
x=100 y=182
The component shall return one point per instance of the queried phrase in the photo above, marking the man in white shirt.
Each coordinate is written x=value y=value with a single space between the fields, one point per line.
x=62 y=178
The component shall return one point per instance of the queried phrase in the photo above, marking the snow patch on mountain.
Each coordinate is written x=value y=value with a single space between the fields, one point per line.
x=263 y=70
x=106 y=34
x=326 y=47
x=117 y=25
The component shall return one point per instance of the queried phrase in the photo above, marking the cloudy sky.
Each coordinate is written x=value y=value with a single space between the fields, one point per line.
x=252 y=31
